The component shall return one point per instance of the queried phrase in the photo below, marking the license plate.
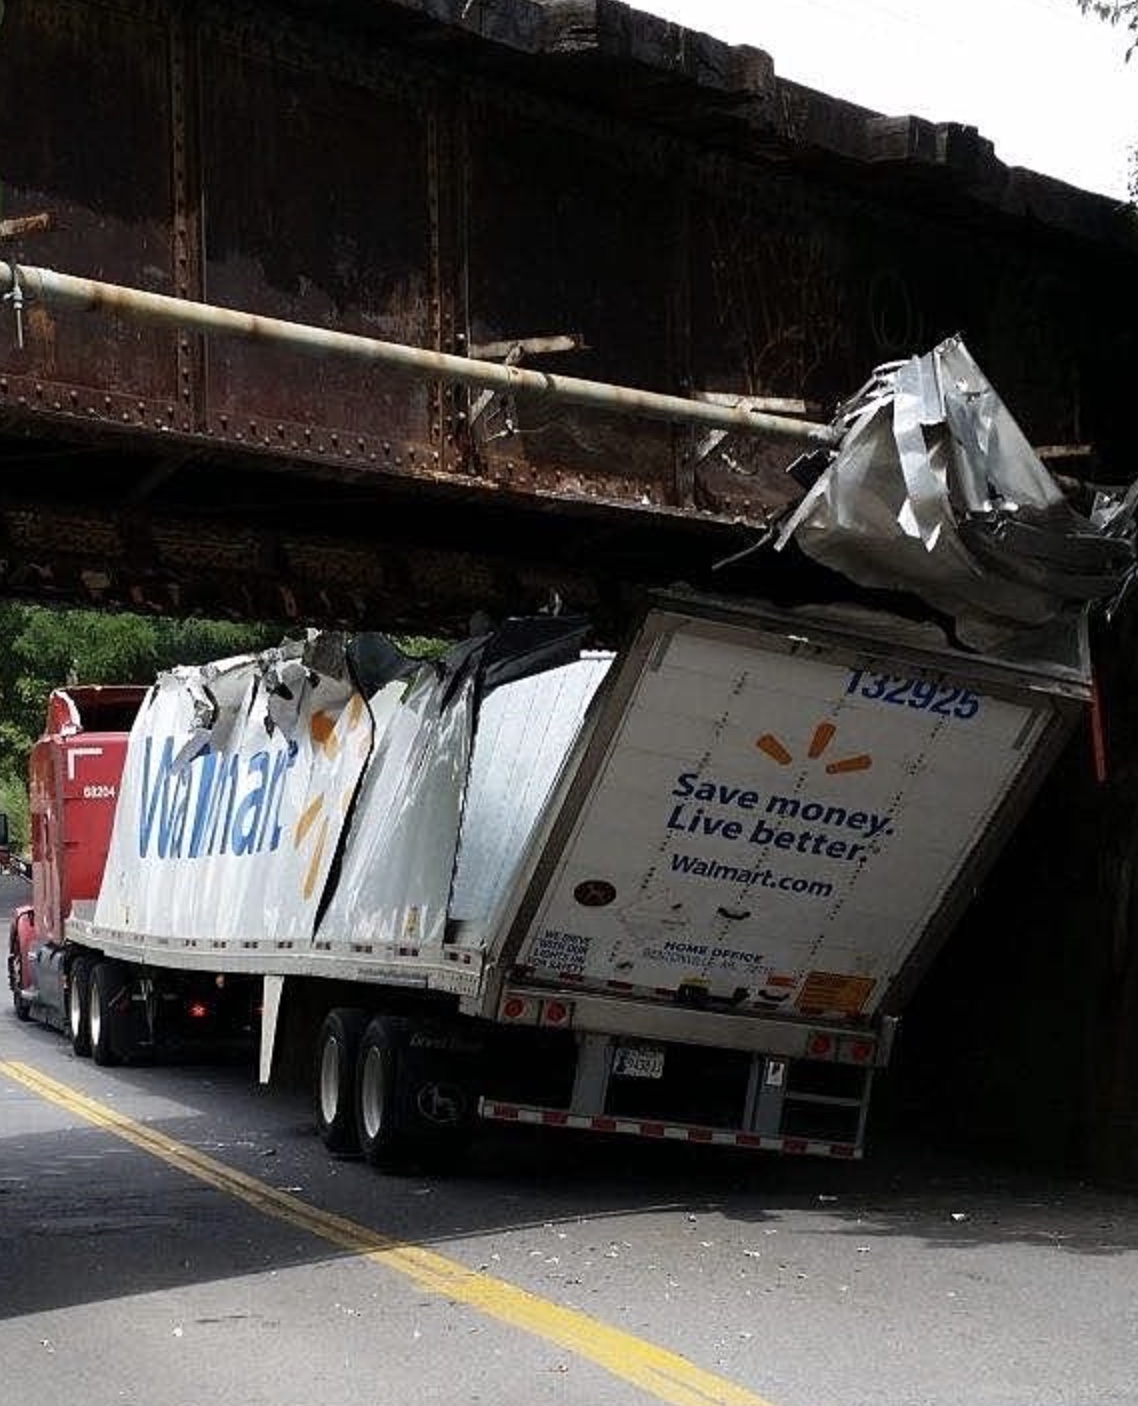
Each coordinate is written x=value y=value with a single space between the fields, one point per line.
x=639 y=1062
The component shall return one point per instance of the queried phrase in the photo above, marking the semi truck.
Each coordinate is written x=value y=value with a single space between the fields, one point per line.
x=679 y=891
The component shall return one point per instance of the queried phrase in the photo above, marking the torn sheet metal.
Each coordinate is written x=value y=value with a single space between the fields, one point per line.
x=935 y=490
x=231 y=770
x=318 y=784
x=395 y=877
x=395 y=872
x=526 y=732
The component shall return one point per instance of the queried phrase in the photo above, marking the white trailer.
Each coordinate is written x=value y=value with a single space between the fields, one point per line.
x=679 y=893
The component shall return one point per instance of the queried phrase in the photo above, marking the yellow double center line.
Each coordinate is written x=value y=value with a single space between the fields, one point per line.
x=666 y=1375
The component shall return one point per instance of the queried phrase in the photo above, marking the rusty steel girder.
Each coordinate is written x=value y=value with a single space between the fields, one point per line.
x=594 y=192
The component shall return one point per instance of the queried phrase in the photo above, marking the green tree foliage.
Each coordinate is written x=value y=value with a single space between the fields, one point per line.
x=45 y=649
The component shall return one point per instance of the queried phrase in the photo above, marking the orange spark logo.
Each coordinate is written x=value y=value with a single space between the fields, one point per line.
x=328 y=735
x=824 y=733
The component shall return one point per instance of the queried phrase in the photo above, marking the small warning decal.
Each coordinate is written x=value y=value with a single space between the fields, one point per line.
x=834 y=992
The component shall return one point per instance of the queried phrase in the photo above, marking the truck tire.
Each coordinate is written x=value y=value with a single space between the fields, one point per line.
x=379 y=1129
x=334 y=1078
x=410 y=1109
x=15 y=981
x=78 y=1005
x=109 y=987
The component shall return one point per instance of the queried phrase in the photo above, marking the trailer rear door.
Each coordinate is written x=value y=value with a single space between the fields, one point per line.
x=773 y=820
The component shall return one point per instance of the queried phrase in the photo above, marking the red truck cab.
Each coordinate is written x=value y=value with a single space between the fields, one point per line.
x=74 y=774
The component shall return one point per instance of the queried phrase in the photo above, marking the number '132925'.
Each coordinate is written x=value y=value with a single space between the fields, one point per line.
x=946 y=700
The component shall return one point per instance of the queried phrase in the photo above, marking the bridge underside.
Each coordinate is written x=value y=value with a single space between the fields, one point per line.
x=180 y=528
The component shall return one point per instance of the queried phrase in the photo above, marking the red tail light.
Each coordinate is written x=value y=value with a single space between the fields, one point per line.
x=198 y=1010
x=519 y=1010
x=858 y=1051
x=557 y=1013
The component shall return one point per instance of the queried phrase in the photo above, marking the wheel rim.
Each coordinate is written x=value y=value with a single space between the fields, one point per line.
x=94 y=1014
x=372 y=1093
x=330 y=1060
x=74 y=1014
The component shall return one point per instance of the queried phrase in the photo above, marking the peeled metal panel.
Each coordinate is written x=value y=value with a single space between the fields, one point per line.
x=395 y=876
x=935 y=490
x=525 y=733
x=85 y=132
x=321 y=218
x=225 y=833
x=776 y=827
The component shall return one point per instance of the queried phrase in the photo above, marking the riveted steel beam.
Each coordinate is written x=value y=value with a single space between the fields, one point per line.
x=67 y=292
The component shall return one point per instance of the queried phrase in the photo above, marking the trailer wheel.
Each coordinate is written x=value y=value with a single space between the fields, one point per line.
x=108 y=989
x=382 y=1138
x=78 y=1005
x=334 y=1078
x=411 y=1109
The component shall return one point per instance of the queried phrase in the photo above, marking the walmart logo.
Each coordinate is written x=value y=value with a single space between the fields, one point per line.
x=824 y=734
x=327 y=741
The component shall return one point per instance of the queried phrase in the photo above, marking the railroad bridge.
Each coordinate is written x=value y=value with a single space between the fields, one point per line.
x=572 y=188
x=565 y=185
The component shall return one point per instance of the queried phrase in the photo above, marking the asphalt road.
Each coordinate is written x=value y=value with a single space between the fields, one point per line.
x=176 y=1236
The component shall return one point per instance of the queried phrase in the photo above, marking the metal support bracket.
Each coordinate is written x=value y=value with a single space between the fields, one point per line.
x=763 y=404
x=510 y=353
x=20 y=225
x=15 y=296
x=15 y=228
x=594 y=1068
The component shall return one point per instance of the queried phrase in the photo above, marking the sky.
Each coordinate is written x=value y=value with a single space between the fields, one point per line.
x=1047 y=84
